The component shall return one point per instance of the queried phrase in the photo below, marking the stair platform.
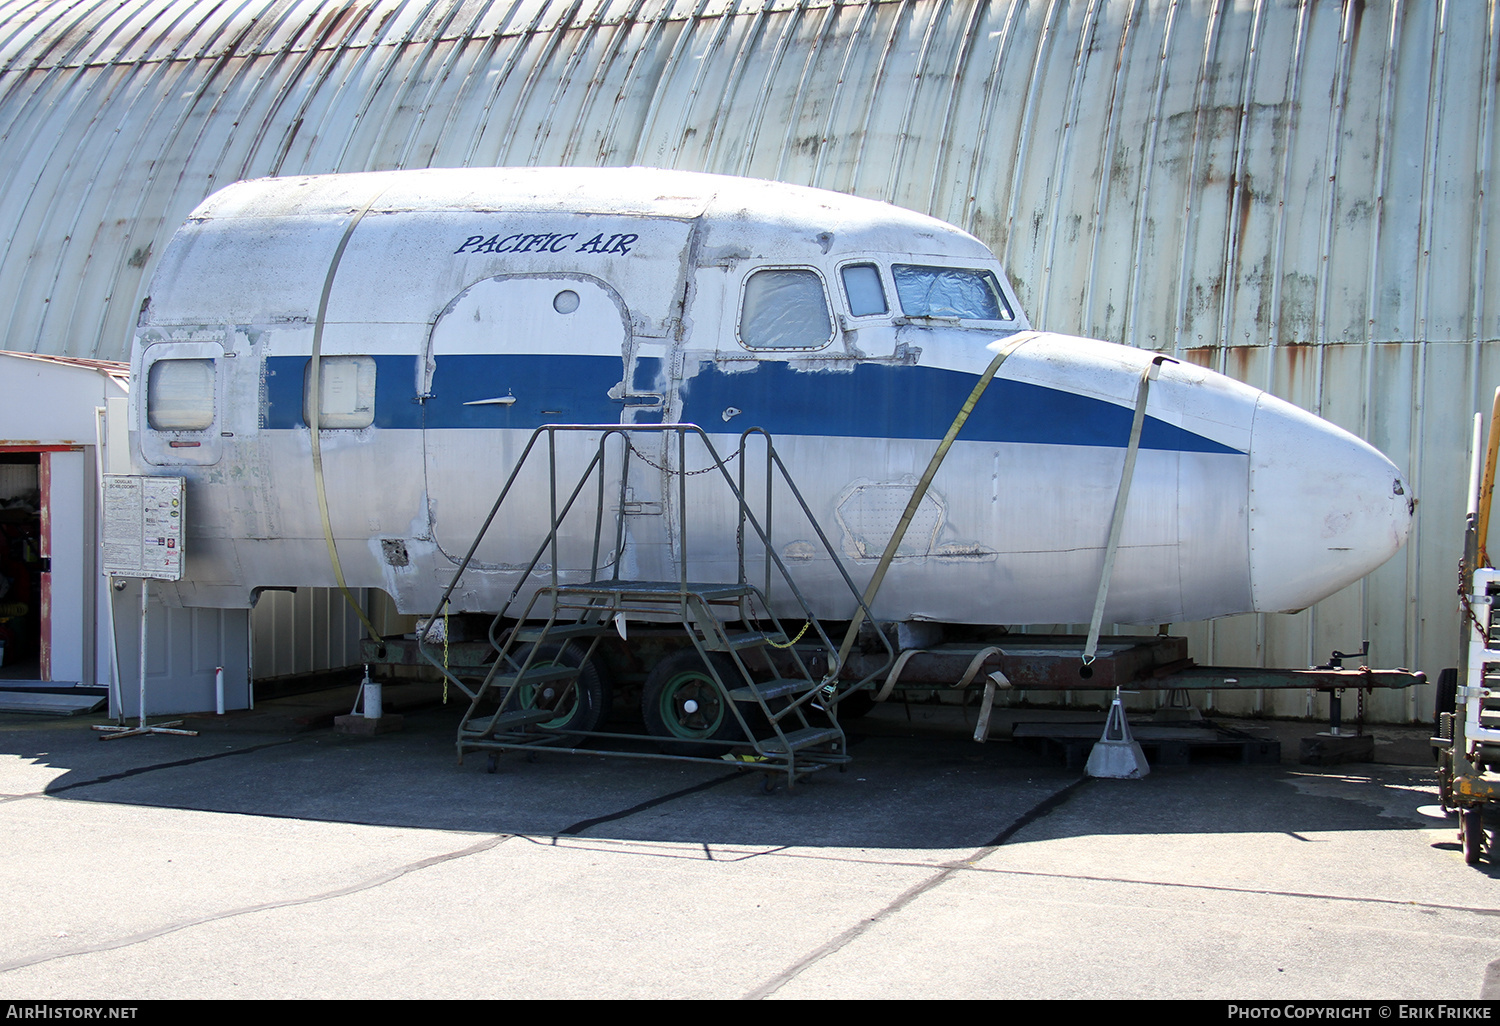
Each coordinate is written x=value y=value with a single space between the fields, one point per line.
x=508 y=721
x=796 y=740
x=769 y=689
x=658 y=590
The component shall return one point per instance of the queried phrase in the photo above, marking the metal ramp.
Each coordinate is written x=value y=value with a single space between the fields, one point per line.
x=743 y=688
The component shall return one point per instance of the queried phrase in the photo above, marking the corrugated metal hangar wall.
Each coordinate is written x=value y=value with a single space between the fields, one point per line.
x=1289 y=191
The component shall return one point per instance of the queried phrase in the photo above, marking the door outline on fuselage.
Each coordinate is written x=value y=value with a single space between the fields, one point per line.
x=513 y=378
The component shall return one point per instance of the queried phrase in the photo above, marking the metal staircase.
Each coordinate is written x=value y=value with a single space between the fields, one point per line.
x=744 y=688
x=1476 y=723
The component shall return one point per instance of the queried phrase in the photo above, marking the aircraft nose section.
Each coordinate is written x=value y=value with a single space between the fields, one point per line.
x=1326 y=508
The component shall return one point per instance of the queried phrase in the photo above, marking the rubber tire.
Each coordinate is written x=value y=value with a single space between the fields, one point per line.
x=594 y=696
x=1445 y=700
x=678 y=678
x=1471 y=834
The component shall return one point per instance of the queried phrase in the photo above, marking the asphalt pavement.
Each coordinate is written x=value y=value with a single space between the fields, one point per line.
x=274 y=864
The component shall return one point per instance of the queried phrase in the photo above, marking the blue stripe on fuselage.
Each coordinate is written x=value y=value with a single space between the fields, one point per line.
x=396 y=405
x=871 y=401
x=881 y=401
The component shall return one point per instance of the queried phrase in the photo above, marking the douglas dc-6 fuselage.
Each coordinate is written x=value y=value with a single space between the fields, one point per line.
x=457 y=310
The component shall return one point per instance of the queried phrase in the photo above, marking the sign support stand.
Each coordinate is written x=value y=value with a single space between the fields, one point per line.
x=109 y=731
x=143 y=536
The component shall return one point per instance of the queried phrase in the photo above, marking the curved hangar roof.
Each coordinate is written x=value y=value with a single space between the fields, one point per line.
x=1169 y=175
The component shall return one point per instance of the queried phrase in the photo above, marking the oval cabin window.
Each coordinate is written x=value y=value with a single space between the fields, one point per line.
x=180 y=395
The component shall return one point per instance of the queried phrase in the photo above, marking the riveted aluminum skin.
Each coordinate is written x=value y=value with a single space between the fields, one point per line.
x=485 y=303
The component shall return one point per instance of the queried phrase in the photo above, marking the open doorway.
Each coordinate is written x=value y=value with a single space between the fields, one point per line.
x=21 y=566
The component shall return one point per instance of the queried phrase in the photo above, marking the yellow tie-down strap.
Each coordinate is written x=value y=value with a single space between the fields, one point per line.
x=921 y=490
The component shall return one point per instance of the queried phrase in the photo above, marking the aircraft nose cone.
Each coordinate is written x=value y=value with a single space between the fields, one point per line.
x=1325 y=508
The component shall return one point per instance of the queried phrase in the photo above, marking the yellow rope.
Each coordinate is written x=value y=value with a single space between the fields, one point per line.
x=315 y=400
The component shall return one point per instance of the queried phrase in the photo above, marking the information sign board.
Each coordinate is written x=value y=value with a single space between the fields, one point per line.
x=143 y=526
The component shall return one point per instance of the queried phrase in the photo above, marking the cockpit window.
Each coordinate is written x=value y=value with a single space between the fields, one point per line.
x=863 y=289
x=785 y=308
x=970 y=294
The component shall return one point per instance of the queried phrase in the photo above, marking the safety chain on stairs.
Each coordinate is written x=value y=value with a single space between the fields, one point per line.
x=685 y=473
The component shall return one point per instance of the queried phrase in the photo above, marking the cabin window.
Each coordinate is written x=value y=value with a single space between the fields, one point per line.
x=863 y=289
x=785 y=308
x=347 y=384
x=970 y=294
x=180 y=395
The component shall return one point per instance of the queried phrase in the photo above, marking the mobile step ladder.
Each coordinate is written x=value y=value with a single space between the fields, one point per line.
x=745 y=690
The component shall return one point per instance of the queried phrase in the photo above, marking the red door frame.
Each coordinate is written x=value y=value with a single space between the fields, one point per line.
x=44 y=485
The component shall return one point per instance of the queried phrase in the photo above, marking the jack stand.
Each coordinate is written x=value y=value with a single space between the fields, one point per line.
x=373 y=720
x=1336 y=745
x=1179 y=709
x=1117 y=755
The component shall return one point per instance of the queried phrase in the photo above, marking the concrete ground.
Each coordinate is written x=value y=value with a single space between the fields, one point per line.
x=270 y=864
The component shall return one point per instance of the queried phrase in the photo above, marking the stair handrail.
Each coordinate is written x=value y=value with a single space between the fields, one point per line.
x=598 y=462
x=773 y=458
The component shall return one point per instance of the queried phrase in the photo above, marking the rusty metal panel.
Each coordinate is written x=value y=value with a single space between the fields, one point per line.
x=1406 y=608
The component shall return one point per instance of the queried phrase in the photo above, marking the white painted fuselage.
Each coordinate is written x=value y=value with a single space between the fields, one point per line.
x=453 y=312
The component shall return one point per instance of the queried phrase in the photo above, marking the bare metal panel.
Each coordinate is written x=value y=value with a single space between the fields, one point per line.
x=1289 y=191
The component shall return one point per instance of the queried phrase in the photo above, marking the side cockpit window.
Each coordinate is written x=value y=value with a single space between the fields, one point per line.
x=180 y=395
x=347 y=387
x=863 y=289
x=961 y=292
x=785 y=308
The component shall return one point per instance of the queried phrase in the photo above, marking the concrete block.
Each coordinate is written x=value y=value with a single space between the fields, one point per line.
x=367 y=727
x=1331 y=749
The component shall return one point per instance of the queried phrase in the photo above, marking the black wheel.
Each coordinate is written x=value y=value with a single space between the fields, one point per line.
x=1445 y=701
x=492 y=762
x=1471 y=834
x=680 y=701
x=581 y=704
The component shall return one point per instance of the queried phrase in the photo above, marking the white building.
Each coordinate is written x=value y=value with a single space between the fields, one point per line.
x=54 y=604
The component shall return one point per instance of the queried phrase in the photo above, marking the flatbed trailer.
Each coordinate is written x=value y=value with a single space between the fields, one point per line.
x=1028 y=662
